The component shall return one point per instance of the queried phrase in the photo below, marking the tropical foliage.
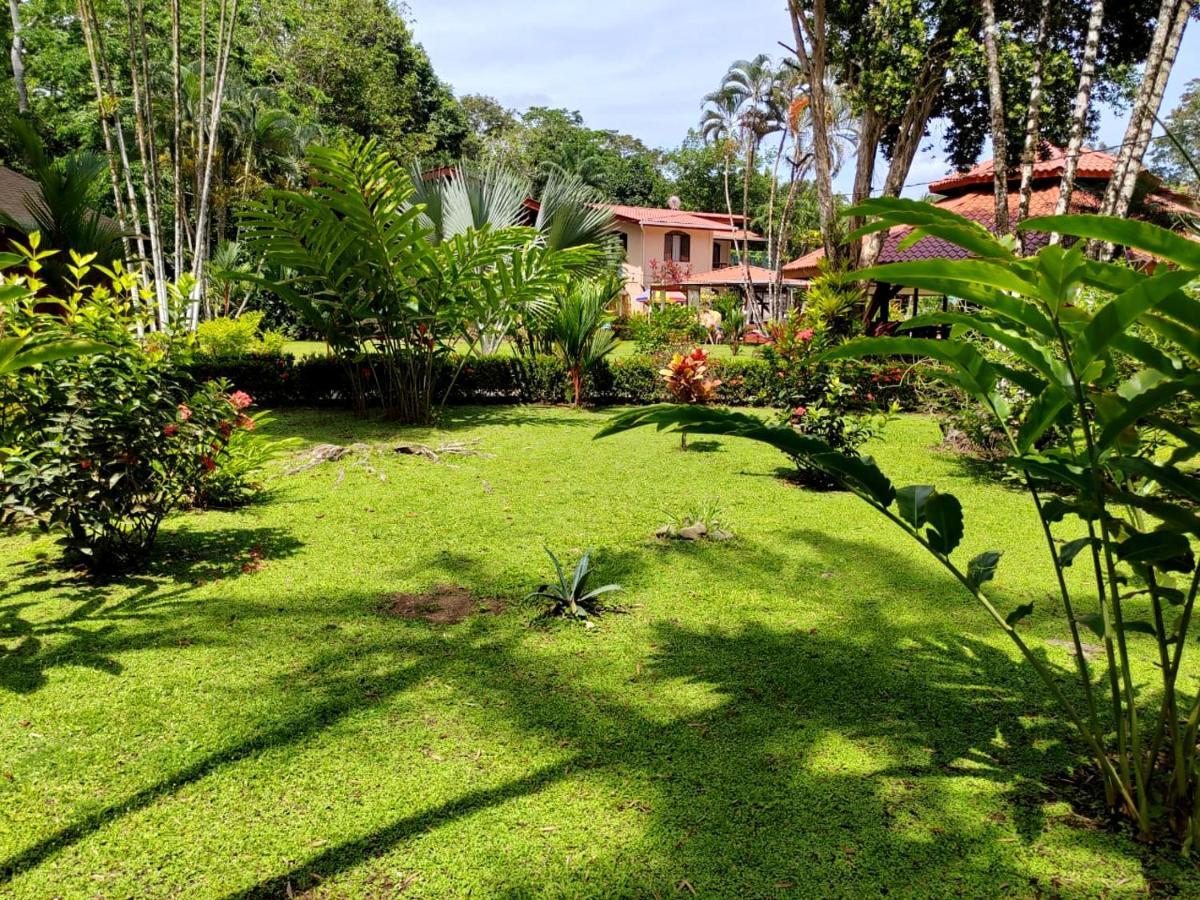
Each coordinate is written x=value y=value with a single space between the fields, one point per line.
x=370 y=271
x=1118 y=492
x=569 y=595
x=102 y=447
x=581 y=329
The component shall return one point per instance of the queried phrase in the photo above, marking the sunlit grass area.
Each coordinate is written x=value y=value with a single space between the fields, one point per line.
x=810 y=709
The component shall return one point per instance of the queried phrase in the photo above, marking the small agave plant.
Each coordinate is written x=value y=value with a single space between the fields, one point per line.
x=570 y=597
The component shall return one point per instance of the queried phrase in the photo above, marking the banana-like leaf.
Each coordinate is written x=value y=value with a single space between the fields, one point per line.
x=18 y=353
x=1134 y=233
x=944 y=275
x=1046 y=409
x=974 y=373
x=961 y=231
x=1142 y=405
x=1036 y=357
x=1119 y=313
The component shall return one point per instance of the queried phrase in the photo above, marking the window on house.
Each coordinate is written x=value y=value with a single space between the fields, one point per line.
x=623 y=240
x=677 y=246
x=716 y=254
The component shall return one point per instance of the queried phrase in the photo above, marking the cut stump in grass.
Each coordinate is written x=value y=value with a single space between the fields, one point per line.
x=442 y=604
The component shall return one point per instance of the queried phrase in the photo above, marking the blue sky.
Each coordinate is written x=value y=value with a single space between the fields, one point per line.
x=639 y=66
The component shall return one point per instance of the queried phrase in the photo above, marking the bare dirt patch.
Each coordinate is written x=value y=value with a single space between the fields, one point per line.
x=442 y=604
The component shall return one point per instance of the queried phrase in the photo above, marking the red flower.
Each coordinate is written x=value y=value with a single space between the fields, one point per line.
x=246 y=422
x=85 y=464
x=184 y=412
x=226 y=429
x=800 y=411
x=207 y=462
x=240 y=399
x=870 y=396
x=170 y=429
x=805 y=335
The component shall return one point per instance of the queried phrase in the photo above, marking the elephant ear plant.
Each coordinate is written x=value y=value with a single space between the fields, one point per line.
x=1105 y=449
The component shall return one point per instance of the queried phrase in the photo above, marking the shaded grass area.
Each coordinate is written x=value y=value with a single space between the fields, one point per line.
x=810 y=709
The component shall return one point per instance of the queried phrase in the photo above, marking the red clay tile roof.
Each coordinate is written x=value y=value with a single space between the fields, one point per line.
x=15 y=188
x=979 y=205
x=678 y=218
x=736 y=275
x=1092 y=164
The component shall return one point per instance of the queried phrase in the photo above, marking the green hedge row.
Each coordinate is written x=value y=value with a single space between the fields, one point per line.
x=281 y=381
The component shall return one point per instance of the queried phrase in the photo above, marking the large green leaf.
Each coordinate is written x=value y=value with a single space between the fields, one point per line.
x=931 y=220
x=857 y=471
x=1166 y=550
x=945 y=275
x=18 y=353
x=974 y=373
x=1142 y=405
x=944 y=514
x=911 y=500
x=1134 y=233
x=1119 y=313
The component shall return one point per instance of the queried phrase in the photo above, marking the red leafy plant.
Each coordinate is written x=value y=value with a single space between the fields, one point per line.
x=688 y=381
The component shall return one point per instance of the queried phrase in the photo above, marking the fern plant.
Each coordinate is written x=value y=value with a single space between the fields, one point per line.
x=1119 y=492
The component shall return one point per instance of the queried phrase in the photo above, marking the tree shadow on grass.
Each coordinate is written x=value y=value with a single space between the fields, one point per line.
x=845 y=757
x=745 y=795
x=88 y=632
x=843 y=760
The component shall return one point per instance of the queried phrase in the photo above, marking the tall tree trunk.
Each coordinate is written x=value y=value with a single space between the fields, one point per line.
x=1168 y=33
x=177 y=138
x=1032 y=116
x=870 y=133
x=226 y=28
x=17 y=56
x=996 y=106
x=143 y=109
x=105 y=98
x=913 y=122
x=1079 y=114
x=810 y=37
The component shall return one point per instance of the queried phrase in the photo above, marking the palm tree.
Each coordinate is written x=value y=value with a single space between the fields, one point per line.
x=569 y=214
x=580 y=328
x=63 y=209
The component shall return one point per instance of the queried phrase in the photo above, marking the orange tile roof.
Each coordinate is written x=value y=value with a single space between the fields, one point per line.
x=736 y=275
x=979 y=205
x=680 y=218
x=1092 y=164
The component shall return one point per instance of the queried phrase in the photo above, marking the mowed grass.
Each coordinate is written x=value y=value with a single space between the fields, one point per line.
x=813 y=709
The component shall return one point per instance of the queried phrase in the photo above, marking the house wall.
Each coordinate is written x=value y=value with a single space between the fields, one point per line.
x=647 y=244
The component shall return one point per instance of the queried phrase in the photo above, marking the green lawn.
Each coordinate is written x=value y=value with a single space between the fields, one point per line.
x=811 y=709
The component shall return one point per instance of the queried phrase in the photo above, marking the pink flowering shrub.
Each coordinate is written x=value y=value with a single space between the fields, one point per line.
x=103 y=448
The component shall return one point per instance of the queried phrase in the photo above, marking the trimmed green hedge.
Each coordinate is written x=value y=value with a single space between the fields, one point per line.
x=280 y=380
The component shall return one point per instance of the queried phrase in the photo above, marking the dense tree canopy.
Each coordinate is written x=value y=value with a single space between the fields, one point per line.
x=1170 y=158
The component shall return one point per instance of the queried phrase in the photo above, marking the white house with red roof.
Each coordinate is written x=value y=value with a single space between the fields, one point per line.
x=682 y=250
